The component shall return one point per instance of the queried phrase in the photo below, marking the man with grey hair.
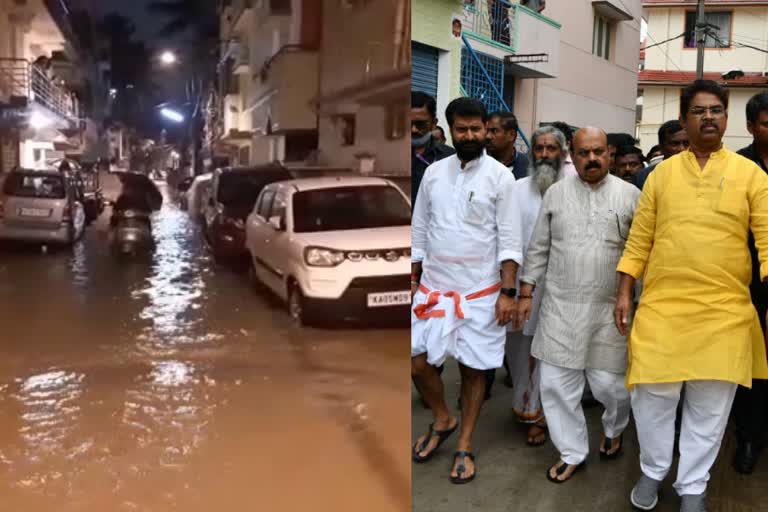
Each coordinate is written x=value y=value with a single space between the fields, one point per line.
x=548 y=149
x=576 y=244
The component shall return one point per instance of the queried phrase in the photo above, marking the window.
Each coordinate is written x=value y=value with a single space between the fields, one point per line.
x=345 y=127
x=719 y=33
x=265 y=203
x=278 y=208
x=396 y=123
x=601 y=37
x=343 y=208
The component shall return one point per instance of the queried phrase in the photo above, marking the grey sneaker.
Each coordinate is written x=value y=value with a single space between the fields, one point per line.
x=694 y=503
x=645 y=494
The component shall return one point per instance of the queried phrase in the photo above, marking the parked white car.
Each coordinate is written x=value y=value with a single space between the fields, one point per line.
x=197 y=196
x=334 y=247
x=40 y=206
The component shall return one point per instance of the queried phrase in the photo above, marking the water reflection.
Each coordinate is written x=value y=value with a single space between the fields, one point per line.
x=49 y=412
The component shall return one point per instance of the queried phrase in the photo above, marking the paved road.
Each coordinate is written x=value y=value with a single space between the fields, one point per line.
x=511 y=476
x=175 y=386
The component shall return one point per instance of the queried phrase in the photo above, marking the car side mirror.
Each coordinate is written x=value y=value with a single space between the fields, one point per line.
x=277 y=223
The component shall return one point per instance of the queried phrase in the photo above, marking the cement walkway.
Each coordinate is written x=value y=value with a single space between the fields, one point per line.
x=511 y=475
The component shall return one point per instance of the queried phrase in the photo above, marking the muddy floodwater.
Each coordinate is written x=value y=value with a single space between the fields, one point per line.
x=174 y=385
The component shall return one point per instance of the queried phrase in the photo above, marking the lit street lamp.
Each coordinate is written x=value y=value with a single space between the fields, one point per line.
x=168 y=58
x=172 y=115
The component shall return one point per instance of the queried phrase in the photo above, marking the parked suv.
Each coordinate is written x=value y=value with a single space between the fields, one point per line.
x=233 y=193
x=334 y=247
x=41 y=206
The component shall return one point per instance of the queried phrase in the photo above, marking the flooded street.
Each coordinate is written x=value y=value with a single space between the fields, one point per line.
x=174 y=385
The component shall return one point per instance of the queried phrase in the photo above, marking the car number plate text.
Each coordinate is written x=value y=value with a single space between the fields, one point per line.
x=378 y=300
x=34 y=212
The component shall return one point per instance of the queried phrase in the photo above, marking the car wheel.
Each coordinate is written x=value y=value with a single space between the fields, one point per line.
x=297 y=306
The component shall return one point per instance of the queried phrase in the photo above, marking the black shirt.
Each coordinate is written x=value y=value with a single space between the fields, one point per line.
x=519 y=166
x=419 y=163
x=757 y=288
x=640 y=176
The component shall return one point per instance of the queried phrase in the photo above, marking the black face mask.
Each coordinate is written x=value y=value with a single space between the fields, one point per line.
x=469 y=150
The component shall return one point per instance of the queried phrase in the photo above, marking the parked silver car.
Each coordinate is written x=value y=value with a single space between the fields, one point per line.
x=40 y=206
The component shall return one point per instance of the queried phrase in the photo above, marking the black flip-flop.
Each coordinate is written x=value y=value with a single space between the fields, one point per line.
x=441 y=435
x=562 y=469
x=461 y=468
x=540 y=443
x=608 y=444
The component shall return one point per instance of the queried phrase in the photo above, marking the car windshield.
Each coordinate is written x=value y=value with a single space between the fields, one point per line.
x=31 y=185
x=342 y=208
x=240 y=190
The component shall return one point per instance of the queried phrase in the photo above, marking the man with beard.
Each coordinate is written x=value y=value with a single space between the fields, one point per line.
x=500 y=142
x=576 y=243
x=695 y=328
x=750 y=407
x=629 y=161
x=548 y=150
x=465 y=235
x=672 y=140
x=424 y=149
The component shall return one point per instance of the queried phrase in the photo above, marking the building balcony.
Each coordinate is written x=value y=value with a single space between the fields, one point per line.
x=25 y=85
x=288 y=82
x=528 y=41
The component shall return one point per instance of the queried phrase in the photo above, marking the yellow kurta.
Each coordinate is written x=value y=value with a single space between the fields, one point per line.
x=689 y=235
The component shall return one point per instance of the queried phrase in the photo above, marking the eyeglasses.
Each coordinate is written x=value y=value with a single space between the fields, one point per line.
x=700 y=111
x=421 y=126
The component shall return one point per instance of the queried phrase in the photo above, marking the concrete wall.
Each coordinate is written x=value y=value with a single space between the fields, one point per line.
x=589 y=90
x=350 y=38
x=431 y=25
x=749 y=25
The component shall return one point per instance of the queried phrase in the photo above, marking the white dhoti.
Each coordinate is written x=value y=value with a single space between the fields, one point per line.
x=561 y=392
x=706 y=406
x=463 y=326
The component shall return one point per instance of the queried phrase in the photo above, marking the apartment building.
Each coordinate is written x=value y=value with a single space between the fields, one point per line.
x=576 y=61
x=736 y=55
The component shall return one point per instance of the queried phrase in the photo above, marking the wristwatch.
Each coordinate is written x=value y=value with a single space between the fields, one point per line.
x=509 y=292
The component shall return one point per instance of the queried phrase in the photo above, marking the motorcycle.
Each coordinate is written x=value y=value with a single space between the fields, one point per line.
x=132 y=232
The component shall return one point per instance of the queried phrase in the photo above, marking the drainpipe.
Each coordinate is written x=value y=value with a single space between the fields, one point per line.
x=399 y=29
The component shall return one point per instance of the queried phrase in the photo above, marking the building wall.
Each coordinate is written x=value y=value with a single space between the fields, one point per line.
x=350 y=38
x=431 y=25
x=588 y=90
x=749 y=25
x=660 y=104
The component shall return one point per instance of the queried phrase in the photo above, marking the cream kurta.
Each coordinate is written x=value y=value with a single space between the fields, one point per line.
x=696 y=320
x=577 y=242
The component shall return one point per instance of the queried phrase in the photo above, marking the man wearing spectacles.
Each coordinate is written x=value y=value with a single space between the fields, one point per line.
x=695 y=328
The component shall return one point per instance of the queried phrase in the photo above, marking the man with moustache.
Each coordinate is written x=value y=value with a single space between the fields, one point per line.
x=424 y=149
x=465 y=236
x=672 y=140
x=577 y=241
x=500 y=142
x=629 y=161
x=750 y=407
x=695 y=328
x=548 y=147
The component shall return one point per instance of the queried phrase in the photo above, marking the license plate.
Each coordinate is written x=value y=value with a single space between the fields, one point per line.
x=379 y=300
x=34 y=212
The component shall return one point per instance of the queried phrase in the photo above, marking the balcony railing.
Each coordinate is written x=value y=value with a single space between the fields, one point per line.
x=493 y=20
x=20 y=78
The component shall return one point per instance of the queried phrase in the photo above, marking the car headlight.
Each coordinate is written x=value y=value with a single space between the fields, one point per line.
x=322 y=257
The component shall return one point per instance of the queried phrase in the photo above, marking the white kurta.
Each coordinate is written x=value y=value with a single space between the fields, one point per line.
x=464 y=225
x=579 y=237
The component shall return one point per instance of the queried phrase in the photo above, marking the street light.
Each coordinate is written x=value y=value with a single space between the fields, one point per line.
x=172 y=115
x=168 y=58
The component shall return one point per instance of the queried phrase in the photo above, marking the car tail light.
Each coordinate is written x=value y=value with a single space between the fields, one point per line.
x=66 y=215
